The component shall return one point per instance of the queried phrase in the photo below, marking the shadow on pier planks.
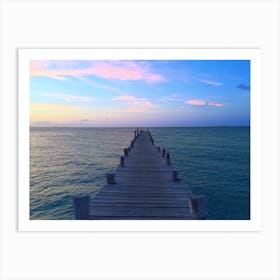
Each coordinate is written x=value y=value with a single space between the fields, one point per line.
x=144 y=187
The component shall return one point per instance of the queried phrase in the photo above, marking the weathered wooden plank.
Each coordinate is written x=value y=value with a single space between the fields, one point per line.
x=187 y=217
x=139 y=211
x=98 y=203
x=147 y=192
x=140 y=198
x=143 y=193
x=144 y=199
x=147 y=187
x=144 y=188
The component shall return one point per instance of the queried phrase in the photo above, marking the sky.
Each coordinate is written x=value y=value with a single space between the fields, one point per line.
x=138 y=93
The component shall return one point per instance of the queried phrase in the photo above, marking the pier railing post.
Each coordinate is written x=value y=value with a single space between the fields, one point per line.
x=122 y=161
x=110 y=178
x=125 y=151
x=132 y=143
x=163 y=152
x=81 y=207
x=175 y=176
x=197 y=206
x=168 y=158
x=158 y=149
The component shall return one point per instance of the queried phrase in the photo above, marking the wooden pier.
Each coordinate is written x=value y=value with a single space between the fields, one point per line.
x=145 y=186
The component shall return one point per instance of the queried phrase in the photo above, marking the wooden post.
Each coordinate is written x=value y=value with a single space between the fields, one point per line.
x=122 y=161
x=158 y=149
x=168 y=158
x=132 y=143
x=197 y=206
x=110 y=178
x=163 y=152
x=175 y=176
x=81 y=207
x=125 y=152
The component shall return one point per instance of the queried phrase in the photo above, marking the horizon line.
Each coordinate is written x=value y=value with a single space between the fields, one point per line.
x=139 y=126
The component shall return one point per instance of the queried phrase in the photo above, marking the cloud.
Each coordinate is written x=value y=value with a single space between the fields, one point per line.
x=149 y=104
x=84 y=120
x=136 y=101
x=98 y=85
x=243 y=86
x=126 y=98
x=212 y=83
x=70 y=98
x=195 y=102
x=52 y=107
x=117 y=70
x=137 y=104
x=37 y=68
x=215 y=104
x=136 y=110
x=173 y=97
x=203 y=103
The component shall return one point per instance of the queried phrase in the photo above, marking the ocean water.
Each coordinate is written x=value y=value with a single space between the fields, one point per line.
x=214 y=161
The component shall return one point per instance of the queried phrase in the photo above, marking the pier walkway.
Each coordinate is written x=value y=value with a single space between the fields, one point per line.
x=145 y=186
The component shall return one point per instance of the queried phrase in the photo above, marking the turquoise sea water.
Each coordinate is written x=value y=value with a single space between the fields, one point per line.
x=64 y=162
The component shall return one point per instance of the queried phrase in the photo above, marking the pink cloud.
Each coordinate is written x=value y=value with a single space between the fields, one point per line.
x=203 y=103
x=212 y=83
x=118 y=70
x=136 y=110
x=132 y=100
x=149 y=104
x=138 y=104
x=37 y=69
x=125 y=98
x=215 y=104
x=196 y=102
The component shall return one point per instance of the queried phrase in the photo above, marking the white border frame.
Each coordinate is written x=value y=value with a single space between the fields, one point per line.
x=254 y=55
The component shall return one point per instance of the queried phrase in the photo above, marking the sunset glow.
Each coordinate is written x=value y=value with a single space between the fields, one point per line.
x=139 y=93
